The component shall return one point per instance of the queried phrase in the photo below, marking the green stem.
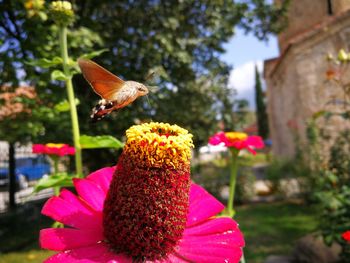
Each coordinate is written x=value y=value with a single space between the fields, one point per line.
x=234 y=165
x=55 y=165
x=71 y=99
x=56 y=188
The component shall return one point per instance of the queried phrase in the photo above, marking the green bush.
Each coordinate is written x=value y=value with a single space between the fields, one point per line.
x=215 y=175
x=339 y=161
x=335 y=217
x=280 y=169
x=245 y=190
x=332 y=191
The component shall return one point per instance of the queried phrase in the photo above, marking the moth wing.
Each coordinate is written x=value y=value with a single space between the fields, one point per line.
x=110 y=90
x=103 y=82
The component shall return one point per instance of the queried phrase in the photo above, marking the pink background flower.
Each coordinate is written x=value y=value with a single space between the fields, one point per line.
x=346 y=235
x=205 y=239
x=246 y=142
x=53 y=149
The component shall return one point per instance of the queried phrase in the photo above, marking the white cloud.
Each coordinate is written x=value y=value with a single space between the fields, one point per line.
x=242 y=79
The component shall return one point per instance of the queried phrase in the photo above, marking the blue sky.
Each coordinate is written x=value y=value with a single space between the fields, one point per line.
x=243 y=52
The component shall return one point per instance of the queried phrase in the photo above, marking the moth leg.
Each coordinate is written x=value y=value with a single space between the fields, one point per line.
x=103 y=108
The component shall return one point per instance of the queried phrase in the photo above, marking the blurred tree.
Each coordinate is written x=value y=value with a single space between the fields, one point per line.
x=19 y=123
x=261 y=114
x=183 y=38
x=242 y=115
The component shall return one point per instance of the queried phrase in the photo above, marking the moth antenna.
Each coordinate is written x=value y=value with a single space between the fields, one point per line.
x=150 y=76
x=153 y=88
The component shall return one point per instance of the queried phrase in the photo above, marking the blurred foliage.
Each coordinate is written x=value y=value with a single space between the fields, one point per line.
x=275 y=172
x=214 y=175
x=283 y=169
x=331 y=171
x=274 y=228
x=216 y=178
x=261 y=111
x=335 y=214
x=336 y=78
x=23 y=126
x=339 y=161
x=183 y=38
x=332 y=191
x=245 y=187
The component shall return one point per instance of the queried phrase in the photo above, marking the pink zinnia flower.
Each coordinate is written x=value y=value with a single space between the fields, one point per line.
x=238 y=140
x=145 y=209
x=346 y=236
x=53 y=149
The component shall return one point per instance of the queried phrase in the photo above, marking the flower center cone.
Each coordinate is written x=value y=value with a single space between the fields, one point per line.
x=146 y=207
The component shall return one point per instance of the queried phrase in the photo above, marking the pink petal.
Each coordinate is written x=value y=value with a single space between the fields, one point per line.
x=38 y=148
x=68 y=238
x=255 y=141
x=214 y=140
x=218 y=138
x=90 y=192
x=205 y=255
x=251 y=150
x=202 y=206
x=76 y=201
x=71 y=215
x=214 y=236
x=215 y=240
x=238 y=144
x=173 y=258
x=212 y=226
x=98 y=253
x=102 y=177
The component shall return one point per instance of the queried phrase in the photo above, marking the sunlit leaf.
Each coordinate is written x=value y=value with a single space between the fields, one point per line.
x=45 y=63
x=318 y=114
x=94 y=54
x=105 y=141
x=60 y=179
x=64 y=105
x=59 y=75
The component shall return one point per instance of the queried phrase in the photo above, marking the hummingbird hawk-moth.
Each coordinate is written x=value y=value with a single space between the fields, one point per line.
x=115 y=92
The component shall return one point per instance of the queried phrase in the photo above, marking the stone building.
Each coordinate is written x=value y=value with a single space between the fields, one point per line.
x=296 y=82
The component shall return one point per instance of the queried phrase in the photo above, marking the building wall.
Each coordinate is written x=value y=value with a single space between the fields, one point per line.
x=297 y=86
x=340 y=6
x=281 y=97
x=304 y=14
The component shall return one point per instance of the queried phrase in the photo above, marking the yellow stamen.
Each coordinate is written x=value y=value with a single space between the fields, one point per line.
x=156 y=144
x=236 y=136
x=55 y=145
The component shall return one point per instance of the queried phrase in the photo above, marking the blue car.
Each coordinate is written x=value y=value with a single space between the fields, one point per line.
x=27 y=169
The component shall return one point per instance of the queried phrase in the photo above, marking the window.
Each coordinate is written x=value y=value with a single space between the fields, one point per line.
x=330 y=7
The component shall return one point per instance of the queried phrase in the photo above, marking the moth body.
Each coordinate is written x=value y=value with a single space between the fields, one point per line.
x=115 y=92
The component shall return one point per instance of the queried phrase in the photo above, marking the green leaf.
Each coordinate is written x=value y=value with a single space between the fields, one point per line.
x=328 y=240
x=94 y=53
x=323 y=113
x=58 y=75
x=64 y=105
x=345 y=115
x=46 y=63
x=105 y=141
x=60 y=179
